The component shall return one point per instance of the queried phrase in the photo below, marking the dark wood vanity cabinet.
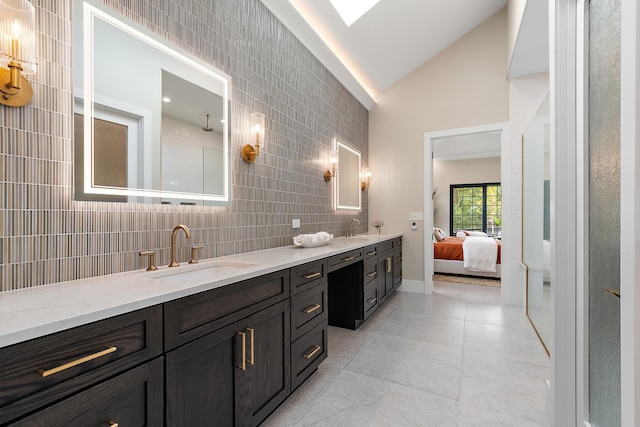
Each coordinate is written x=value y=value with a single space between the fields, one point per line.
x=225 y=357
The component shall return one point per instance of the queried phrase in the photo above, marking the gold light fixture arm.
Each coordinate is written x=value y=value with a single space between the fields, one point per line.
x=17 y=90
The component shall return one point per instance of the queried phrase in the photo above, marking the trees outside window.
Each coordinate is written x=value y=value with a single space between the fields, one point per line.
x=476 y=207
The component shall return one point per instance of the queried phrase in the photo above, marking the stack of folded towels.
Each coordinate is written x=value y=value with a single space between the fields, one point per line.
x=312 y=240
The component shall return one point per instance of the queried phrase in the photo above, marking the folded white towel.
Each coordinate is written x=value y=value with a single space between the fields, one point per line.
x=312 y=240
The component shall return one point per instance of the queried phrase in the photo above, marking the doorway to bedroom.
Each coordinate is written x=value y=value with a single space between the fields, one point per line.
x=464 y=201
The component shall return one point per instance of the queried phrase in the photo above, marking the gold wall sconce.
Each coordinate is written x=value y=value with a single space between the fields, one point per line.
x=250 y=152
x=17 y=51
x=366 y=179
x=332 y=165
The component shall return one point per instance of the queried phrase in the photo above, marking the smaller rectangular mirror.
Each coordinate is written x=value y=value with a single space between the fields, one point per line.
x=347 y=191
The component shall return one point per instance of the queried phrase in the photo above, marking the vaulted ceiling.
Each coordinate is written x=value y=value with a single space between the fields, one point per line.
x=390 y=40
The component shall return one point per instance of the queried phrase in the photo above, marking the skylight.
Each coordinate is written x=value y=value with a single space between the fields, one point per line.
x=352 y=10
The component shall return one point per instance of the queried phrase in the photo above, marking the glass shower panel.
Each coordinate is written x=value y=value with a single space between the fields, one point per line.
x=604 y=212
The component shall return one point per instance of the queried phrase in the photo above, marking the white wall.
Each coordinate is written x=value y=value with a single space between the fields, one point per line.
x=515 y=10
x=463 y=86
x=451 y=172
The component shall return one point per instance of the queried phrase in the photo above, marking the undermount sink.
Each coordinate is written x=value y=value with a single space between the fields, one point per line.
x=202 y=268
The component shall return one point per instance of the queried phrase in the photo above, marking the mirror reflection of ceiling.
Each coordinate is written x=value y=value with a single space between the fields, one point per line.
x=388 y=42
x=195 y=104
x=470 y=146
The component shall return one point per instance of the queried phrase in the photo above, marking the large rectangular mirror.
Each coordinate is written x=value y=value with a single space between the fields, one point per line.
x=347 y=191
x=151 y=121
x=536 y=214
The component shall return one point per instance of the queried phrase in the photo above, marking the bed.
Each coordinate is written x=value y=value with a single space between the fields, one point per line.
x=448 y=258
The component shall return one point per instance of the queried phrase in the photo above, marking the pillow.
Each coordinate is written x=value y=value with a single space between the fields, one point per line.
x=462 y=233
x=438 y=234
x=478 y=234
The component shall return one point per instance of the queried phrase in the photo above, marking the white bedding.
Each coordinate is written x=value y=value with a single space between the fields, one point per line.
x=480 y=253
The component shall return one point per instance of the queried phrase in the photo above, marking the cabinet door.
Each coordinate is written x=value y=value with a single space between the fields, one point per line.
x=266 y=382
x=382 y=280
x=212 y=381
x=200 y=380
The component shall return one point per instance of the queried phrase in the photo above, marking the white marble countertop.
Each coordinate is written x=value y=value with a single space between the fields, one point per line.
x=31 y=313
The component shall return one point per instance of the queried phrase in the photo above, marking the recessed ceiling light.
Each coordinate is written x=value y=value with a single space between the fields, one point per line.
x=352 y=10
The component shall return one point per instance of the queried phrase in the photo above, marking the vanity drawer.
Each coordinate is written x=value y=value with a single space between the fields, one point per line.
x=37 y=372
x=347 y=258
x=134 y=398
x=370 y=252
x=370 y=299
x=397 y=242
x=194 y=316
x=385 y=246
x=307 y=275
x=308 y=309
x=370 y=271
x=307 y=353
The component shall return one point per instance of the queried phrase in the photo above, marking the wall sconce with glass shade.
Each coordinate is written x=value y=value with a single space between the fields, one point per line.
x=332 y=165
x=17 y=51
x=366 y=179
x=250 y=152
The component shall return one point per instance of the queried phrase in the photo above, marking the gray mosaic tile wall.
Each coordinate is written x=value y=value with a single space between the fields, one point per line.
x=48 y=237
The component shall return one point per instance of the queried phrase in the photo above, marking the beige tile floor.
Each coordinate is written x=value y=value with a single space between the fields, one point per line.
x=453 y=358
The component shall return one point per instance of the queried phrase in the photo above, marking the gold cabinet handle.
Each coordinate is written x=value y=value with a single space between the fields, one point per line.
x=372 y=253
x=46 y=373
x=349 y=258
x=312 y=308
x=113 y=424
x=313 y=352
x=311 y=276
x=372 y=300
x=388 y=261
x=613 y=292
x=372 y=274
x=252 y=340
x=243 y=352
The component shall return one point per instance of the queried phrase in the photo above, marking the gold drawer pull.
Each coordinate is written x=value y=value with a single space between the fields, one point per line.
x=113 y=424
x=372 y=300
x=371 y=253
x=315 y=350
x=76 y=362
x=388 y=261
x=243 y=364
x=311 y=276
x=373 y=274
x=312 y=308
x=349 y=258
x=613 y=292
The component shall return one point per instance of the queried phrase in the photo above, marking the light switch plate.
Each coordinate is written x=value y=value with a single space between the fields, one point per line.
x=416 y=216
x=295 y=223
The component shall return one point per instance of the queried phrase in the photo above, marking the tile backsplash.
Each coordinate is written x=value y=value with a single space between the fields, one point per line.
x=48 y=237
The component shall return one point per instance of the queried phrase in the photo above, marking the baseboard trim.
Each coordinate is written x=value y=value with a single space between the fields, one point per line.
x=414 y=286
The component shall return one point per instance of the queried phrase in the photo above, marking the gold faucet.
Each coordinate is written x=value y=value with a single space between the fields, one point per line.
x=350 y=227
x=173 y=242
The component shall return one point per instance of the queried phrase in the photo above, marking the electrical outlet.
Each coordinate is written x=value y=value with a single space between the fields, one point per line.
x=295 y=223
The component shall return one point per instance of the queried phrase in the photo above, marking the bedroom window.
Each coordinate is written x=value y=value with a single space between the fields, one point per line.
x=476 y=207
